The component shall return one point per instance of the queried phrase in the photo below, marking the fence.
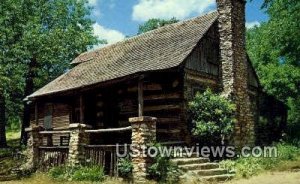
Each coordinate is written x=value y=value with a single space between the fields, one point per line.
x=52 y=156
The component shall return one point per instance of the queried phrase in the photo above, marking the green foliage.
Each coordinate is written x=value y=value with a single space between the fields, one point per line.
x=212 y=116
x=93 y=173
x=78 y=173
x=57 y=172
x=125 y=167
x=163 y=170
x=152 y=24
x=250 y=166
x=50 y=32
x=274 y=48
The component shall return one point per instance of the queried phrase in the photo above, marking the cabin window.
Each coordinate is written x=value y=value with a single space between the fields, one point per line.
x=48 y=116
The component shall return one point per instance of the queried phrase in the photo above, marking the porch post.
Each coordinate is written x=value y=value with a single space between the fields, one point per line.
x=141 y=95
x=78 y=139
x=36 y=116
x=34 y=141
x=81 y=109
x=143 y=134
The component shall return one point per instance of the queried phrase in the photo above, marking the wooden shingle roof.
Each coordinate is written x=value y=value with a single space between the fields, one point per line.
x=163 y=48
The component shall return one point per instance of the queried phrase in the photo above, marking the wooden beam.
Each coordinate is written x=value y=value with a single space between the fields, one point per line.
x=163 y=96
x=36 y=113
x=140 y=96
x=162 y=107
x=81 y=109
x=109 y=130
x=55 y=132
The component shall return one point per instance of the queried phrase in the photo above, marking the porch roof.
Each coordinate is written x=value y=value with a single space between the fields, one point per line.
x=160 y=49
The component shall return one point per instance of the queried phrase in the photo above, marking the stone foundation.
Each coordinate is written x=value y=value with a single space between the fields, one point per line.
x=143 y=134
x=32 y=152
x=78 y=139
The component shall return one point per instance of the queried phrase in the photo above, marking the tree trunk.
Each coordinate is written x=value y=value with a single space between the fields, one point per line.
x=3 y=143
x=29 y=88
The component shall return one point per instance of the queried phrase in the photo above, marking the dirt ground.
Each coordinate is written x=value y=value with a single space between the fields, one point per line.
x=271 y=178
x=266 y=178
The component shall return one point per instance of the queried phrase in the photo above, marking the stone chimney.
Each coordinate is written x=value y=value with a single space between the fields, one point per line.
x=234 y=66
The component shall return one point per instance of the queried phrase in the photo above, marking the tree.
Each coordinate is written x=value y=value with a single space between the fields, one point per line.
x=152 y=24
x=42 y=38
x=3 y=80
x=274 y=48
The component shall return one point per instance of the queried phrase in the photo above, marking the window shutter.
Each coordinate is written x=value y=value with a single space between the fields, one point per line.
x=48 y=117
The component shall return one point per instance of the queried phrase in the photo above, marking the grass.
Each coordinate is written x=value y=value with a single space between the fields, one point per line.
x=270 y=178
x=8 y=157
x=78 y=173
x=42 y=178
x=288 y=159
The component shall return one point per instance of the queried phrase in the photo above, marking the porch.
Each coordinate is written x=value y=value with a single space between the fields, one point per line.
x=104 y=155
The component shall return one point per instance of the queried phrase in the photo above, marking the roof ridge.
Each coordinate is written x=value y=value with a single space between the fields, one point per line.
x=140 y=35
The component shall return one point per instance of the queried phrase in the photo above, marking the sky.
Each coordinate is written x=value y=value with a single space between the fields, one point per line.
x=116 y=19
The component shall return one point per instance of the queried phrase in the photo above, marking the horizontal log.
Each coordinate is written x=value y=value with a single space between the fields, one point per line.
x=54 y=147
x=161 y=107
x=168 y=120
x=105 y=146
x=55 y=132
x=109 y=130
x=200 y=79
x=167 y=131
x=146 y=87
x=62 y=128
x=163 y=96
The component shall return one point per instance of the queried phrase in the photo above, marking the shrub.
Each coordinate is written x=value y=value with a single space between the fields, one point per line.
x=163 y=170
x=93 y=173
x=77 y=173
x=125 y=167
x=212 y=117
x=57 y=172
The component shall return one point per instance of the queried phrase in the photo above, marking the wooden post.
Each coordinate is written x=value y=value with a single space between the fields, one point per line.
x=81 y=109
x=36 y=116
x=140 y=96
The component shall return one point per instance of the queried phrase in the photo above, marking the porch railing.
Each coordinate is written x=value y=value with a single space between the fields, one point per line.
x=102 y=155
x=52 y=156
x=105 y=156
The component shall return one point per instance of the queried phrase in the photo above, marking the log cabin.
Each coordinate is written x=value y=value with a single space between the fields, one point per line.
x=155 y=74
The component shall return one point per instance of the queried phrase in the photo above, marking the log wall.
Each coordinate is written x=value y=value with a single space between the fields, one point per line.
x=60 y=119
x=163 y=98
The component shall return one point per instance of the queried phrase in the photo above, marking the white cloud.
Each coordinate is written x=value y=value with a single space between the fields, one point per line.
x=146 y=9
x=250 y=25
x=96 y=12
x=93 y=2
x=110 y=35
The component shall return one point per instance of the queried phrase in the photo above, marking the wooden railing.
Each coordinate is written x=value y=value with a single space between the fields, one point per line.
x=102 y=155
x=109 y=130
x=105 y=156
x=52 y=156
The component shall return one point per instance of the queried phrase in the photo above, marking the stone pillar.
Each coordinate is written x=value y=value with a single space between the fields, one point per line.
x=78 y=139
x=234 y=66
x=35 y=140
x=143 y=134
